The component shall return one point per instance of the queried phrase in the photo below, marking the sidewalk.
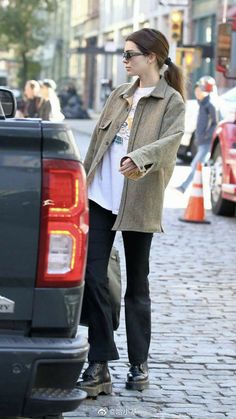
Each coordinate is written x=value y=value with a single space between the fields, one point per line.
x=83 y=126
x=193 y=349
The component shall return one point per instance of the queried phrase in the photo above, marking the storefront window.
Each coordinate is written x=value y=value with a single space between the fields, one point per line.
x=208 y=34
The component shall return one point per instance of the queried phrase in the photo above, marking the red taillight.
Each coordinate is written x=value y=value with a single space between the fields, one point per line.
x=64 y=224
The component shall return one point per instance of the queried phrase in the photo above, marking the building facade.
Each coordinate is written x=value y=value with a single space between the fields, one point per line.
x=54 y=55
x=99 y=30
x=87 y=39
x=206 y=15
x=83 y=59
x=9 y=67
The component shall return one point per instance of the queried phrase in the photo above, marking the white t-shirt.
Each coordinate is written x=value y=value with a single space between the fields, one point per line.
x=107 y=184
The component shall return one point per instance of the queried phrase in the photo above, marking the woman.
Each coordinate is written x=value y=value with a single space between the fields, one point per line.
x=129 y=163
x=50 y=108
x=30 y=109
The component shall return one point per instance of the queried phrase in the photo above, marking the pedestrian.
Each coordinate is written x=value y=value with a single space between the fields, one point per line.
x=50 y=108
x=33 y=99
x=206 y=123
x=129 y=162
x=72 y=105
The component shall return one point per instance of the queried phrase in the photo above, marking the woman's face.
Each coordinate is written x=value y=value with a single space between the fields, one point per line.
x=136 y=65
x=29 y=93
x=44 y=91
x=200 y=95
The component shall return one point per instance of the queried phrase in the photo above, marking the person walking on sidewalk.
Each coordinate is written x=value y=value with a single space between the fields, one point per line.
x=128 y=164
x=32 y=103
x=206 y=123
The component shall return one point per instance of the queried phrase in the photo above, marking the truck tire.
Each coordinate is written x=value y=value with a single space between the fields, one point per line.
x=220 y=206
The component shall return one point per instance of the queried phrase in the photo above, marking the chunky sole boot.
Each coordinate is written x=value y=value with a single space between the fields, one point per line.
x=96 y=379
x=95 y=390
x=137 y=385
x=137 y=377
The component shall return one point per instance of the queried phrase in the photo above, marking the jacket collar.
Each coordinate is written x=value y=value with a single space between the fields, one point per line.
x=204 y=101
x=158 y=92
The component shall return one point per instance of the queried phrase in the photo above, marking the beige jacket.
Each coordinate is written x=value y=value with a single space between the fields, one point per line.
x=157 y=128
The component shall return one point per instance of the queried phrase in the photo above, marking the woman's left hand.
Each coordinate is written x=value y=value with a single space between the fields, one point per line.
x=128 y=168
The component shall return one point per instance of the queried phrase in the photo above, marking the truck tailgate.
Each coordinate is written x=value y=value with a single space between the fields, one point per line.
x=20 y=189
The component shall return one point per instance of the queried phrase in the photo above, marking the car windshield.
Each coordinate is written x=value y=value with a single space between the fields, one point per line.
x=230 y=96
x=228 y=104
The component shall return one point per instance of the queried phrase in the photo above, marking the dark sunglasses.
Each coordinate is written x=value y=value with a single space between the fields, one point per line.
x=129 y=54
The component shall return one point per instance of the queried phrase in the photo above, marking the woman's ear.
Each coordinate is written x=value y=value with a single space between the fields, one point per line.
x=152 y=57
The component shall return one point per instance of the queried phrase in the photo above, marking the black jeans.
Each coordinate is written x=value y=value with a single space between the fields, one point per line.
x=96 y=297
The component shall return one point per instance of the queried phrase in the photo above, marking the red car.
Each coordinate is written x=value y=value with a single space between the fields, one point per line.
x=223 y=169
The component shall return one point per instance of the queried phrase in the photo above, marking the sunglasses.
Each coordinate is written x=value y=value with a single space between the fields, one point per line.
x=129 y=54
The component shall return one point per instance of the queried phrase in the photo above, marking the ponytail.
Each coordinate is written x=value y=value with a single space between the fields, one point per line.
x=152 y=40
x=174 y=77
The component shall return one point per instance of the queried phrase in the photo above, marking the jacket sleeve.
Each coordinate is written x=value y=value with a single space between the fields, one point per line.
x=162 y=153
x=212 y=122
x=90 y=152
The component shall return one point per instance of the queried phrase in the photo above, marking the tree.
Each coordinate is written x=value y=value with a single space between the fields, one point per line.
x=23 y=26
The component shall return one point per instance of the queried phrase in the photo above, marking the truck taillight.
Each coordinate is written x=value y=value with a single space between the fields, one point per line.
x=64 y=224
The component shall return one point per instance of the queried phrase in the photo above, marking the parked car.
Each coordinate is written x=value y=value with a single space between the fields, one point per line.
x=43 y=241
x=223 y=146
x=223 y=167
x=227 y=104
x=187 y=148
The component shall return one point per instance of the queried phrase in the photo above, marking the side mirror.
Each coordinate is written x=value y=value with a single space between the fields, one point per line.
x=226 y=50
x=7 y=104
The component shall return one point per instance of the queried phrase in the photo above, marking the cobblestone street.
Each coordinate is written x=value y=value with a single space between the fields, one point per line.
x=193 y=350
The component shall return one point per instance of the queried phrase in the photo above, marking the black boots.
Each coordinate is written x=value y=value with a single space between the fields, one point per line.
x=137 y=378
x=96 y=379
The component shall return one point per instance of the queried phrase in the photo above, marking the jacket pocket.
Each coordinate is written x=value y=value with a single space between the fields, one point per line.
x=105 y=124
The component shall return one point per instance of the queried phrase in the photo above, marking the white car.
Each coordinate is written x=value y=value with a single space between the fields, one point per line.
x=187 y=149
x=227 y=104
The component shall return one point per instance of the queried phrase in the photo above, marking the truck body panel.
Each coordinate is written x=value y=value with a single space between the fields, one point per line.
x=20 y=191
x=41 y=352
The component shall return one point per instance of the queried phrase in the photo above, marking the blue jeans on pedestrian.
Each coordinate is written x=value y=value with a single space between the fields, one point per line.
x=202 y=152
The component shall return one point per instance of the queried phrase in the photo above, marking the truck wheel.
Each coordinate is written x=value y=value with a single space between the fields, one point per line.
x=220 y=206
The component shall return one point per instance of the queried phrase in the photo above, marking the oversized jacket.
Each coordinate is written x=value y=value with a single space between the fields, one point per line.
x=155 y=136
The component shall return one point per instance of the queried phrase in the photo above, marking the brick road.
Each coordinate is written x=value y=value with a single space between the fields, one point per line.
x=193 y=350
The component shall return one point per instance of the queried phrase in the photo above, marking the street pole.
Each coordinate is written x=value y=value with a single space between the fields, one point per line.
x=225 y=7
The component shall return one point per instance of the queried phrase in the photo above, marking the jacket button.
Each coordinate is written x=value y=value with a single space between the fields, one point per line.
x=107 y=142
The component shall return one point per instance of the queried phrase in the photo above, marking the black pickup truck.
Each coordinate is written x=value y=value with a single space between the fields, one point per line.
x=43 y=247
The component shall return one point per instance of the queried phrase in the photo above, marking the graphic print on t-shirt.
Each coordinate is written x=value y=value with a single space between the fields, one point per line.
x=124 y=132
x=118 y=139
x=107 y=185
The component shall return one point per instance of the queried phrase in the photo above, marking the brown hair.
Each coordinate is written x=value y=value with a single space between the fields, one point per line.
x=33 y=84
x=152 y=40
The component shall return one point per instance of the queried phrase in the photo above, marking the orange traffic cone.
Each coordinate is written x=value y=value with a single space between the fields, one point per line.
x=195 y=211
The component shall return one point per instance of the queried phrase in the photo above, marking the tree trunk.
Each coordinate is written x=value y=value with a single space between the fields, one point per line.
x=24 y=70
